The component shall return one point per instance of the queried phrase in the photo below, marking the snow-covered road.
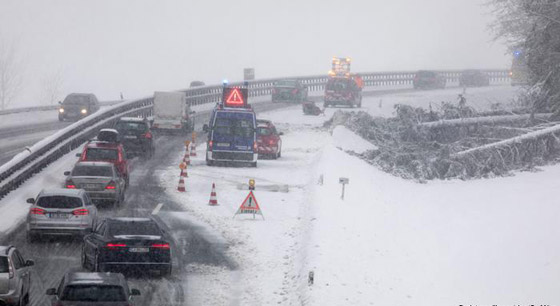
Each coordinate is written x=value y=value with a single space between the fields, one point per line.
x=389 y=242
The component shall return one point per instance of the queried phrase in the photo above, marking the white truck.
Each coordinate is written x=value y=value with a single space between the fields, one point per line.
x=172 y=112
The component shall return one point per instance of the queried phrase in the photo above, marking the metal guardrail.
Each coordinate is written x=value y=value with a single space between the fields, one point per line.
x=40 y=155
x=46 y=108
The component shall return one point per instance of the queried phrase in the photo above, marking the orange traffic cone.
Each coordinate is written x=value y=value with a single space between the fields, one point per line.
x=213 y=199
x=181 y=187
x=193 y=149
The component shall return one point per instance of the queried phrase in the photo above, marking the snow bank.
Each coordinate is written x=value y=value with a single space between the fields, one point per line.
x=347 y=140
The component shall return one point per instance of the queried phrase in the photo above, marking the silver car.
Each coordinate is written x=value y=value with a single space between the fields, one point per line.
x=60 y=211
x=100 y=180
x=15 y=277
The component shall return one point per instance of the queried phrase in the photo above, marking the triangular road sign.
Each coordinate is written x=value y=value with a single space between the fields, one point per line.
x=249 y=206
x=235 y=97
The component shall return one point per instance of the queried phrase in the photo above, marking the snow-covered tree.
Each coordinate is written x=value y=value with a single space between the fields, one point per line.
x=534 y=27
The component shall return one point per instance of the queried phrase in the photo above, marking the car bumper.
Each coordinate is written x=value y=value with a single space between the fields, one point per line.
x=103 y=195
x=268 y=150
x=57 y=229
x=231 y=156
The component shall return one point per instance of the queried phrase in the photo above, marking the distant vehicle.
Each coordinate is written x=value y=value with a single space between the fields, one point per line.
x=268 y=139
x=232 y=130
x=79 y=288
x=100 y=180
x=310 y=108
x=107 y=149
x=77 y=106
x=15 y=277
x=172 y=112
x=196 y=84
x=474 y=78
x=289 y=91
x=428 y=80
x=127 y=242
x=136 y=136
x=519 y=72
x=342 y=91
x=60 y=211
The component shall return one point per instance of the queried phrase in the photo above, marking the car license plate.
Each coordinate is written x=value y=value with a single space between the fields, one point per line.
x=90 y=186
x=222 y=144
x=58 y=216
x=139 y=250
x=130 y=137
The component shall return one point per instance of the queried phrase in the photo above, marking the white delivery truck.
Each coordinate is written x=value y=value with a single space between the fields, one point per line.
x=172 y=112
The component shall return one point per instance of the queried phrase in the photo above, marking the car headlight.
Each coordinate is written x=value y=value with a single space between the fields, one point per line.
x=84 y=111
x=61 y=110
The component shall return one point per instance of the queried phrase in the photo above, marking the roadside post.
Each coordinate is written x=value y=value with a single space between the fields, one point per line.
x=343 y=181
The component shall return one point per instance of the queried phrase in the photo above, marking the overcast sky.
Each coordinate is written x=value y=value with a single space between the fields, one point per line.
x=139 y=46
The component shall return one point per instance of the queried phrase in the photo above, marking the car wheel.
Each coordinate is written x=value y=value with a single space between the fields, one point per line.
x=254 y=164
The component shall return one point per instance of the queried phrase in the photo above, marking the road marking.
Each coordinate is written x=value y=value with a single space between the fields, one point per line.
x=157 y=209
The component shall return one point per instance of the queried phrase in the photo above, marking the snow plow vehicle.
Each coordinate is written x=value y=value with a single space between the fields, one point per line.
x=343 y=88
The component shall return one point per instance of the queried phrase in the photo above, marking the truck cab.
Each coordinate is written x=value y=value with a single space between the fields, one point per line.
x=232 y=130
x=172 y=113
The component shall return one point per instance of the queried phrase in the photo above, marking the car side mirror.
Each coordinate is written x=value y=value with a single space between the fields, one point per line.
x=30 y=201
x=78 y=155
x=29 y=263
x=51 y=291
x=134 y=292
x=205 y=128
x=67 y=173
x=280 y=133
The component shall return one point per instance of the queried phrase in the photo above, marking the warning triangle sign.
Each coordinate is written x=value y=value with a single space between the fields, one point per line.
x=249 y=206
x=235 y=97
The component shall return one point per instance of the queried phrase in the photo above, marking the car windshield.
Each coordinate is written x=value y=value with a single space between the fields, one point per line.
x=234 y=127
x=93 y=293
x=134 y=228
x=104 y=171
x=4 y=264
x=263 y=131
x=337 y=84
x=76 y=100
x=128 y=128
x=290 y=83
x=101 y=154
x=60 y=202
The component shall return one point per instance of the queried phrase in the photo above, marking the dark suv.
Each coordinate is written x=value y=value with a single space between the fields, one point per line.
x=428 y=80
x=77 y=106
x=15 y=277
x=79 y=288
x=136 y=136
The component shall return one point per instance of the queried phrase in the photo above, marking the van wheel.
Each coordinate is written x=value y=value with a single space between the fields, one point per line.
x=254 y=165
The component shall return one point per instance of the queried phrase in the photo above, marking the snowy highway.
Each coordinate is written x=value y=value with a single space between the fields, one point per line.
x=381 y=225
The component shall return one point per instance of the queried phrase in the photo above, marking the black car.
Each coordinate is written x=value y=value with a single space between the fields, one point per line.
x=79 y=288
x=77 y=106
x=428 y=80
x=127 y=243
x=136 y=137
x=289 y=91
x=196 y=84
x=474 y=78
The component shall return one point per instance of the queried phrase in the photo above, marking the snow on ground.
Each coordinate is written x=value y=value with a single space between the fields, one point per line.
x=479 y=98
x=19 y=119
x=389 y=242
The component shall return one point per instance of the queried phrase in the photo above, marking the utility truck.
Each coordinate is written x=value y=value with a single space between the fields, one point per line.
x=172 y=113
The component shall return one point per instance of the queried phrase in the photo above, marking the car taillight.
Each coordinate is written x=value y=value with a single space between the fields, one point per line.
x=160 y=245
x=37 y=211
x=294 y=91
x=116 y=245
x=70 y=185
x=111 y=186
x=271 y=141
x=80 y=212
x=10 y=268
x=177 y=126
x=255 y=146
x=210 y=144
x=273 y=91
x=148 y=135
